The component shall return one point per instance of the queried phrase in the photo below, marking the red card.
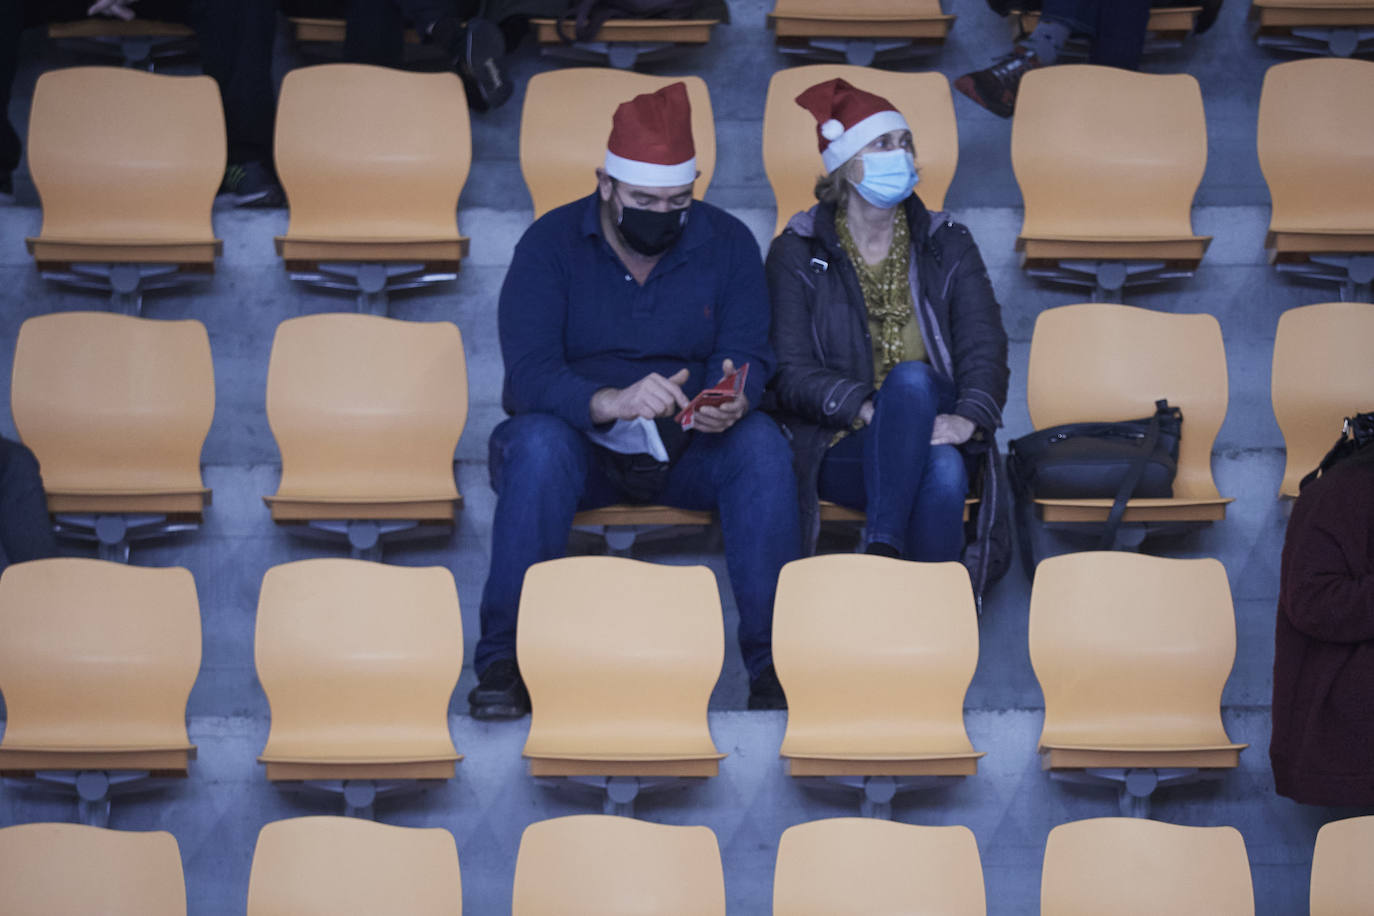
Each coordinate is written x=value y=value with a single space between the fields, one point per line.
x=723 y=391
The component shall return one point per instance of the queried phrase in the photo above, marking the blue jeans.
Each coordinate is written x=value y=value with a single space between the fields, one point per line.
x=1117 y=27
x=544 y=471
x=913 y=491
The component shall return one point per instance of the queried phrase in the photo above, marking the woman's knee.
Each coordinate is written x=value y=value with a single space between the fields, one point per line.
x=915 y=384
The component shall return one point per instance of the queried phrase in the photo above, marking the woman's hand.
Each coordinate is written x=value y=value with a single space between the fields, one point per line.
x=866 y=412
x=951 y=429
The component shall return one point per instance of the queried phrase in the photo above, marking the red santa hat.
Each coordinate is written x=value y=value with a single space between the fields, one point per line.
x=651 y=140
x=848 y=119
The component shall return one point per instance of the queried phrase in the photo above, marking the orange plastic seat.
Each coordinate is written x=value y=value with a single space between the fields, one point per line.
x=1130 y=867
x=1131 y=652
x=367 y=412
x=887 y=27
x=653 y=36
x=595 y=865
x=116 y=409
x=307 y=29
x=1341 y=880
x=117 y=185
x=1102 y=362
x=1167 y=24
x=845 y=865
x=75 y=870
x=1322 y=373
x=629 y=705
x=97 y=660
x=900 y=711
x=1339 y=27
x=567 y=118
x=345 y=866
x=790 y=156
x=358 y=661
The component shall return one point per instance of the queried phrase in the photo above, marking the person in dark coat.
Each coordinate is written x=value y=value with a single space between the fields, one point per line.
x=25 y=529
x=1322 y=748
x=892 y=357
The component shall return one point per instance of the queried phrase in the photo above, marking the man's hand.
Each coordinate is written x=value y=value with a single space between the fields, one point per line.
x=117 y=9
x=951 y=429
x=719 y=419
x=651 y=396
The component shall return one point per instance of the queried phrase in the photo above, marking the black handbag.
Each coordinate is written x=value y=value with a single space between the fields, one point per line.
x=1116 y=461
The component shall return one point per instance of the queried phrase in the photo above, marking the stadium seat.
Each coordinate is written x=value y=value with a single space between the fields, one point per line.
x=358 y=661
x=1336 y=27
x=372 y=161
x=623 y=43
x=790 y=156
x=859 y=32
x=594 y=865
x=1323 y=372
x=1102 y=362
x=1131 y=653
x=620 y=658
x=898 y=721
x=567 y=118
x=1108 y=162
x=367 y=413
x=139 y=43
x=1316 y=149
x=75 y=870
x=116 y=409
x=1168 y=28
x=1341 y=878
x=340 y=866
x=1130 y=867
x=97 y=660
x=315 y=31
x=126 y=199
x=846 y=865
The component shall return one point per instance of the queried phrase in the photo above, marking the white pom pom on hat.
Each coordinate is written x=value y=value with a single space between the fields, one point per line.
x=832 y=130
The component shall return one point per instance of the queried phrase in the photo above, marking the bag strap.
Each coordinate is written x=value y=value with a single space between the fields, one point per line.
x=1133 y=475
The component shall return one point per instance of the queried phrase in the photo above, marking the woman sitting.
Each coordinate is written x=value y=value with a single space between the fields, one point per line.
x=891 y=351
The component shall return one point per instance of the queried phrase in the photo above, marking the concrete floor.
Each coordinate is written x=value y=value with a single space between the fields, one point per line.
x=1010 y=805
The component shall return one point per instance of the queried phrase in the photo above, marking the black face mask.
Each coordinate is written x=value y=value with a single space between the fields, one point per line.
x=651 y=232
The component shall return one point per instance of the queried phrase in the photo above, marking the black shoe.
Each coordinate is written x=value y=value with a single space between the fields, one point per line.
x=765 y=691
x=252 y=184
x=475 y=51
x=500 y=692
x=995 y=88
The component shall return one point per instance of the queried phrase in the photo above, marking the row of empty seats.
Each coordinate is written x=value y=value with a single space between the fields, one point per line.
x=367 y=412
x=593 y=865
x=373 y=162
x=358 y=661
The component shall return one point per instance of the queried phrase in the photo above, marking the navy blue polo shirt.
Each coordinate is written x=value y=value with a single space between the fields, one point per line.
x=573 y=320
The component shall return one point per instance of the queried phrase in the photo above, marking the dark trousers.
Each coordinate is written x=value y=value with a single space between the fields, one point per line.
x=1117 y=27
x=376 y=28
x=25 y=529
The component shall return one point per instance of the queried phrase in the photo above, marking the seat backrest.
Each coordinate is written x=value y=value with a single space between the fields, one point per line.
x=1316 y=144
x=620 y=656
x=113 y=404
x=1342 y=882
x=1322 y=373
x=859 y=10
x=368 y=407
x=1100 y=362
x=862 y=865
x=790 y=152
x=1101 y=152
x=75 y=870
x=1131 y=651
x=346 y=866
x=907 y=698
x=567 y=120
x=120 y=155
x=97 y=655
x=357 y=656
x=596 y=865
x=370 y=153
x=1133 y=867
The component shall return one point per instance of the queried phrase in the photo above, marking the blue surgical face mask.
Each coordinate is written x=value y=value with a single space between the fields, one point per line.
x=889 y=177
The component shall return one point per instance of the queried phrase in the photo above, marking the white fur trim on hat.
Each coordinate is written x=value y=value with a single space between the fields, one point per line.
x=650 y=174
x=860 y=135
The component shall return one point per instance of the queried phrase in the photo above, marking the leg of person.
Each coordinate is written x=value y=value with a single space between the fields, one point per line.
x=475 y=46
x=745 y=474
x=995 y=87
x=935 y=530
x=375 y=33
x=11 y=148
x=25 y=529
x=1121 y=27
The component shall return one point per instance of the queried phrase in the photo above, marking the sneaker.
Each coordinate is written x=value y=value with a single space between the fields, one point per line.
x=252 y=184
x=475 y=51
x=500 y=692
x=765 y=691
x=995 y=88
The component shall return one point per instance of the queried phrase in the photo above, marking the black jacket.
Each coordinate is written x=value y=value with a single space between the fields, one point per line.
x=825 y=356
